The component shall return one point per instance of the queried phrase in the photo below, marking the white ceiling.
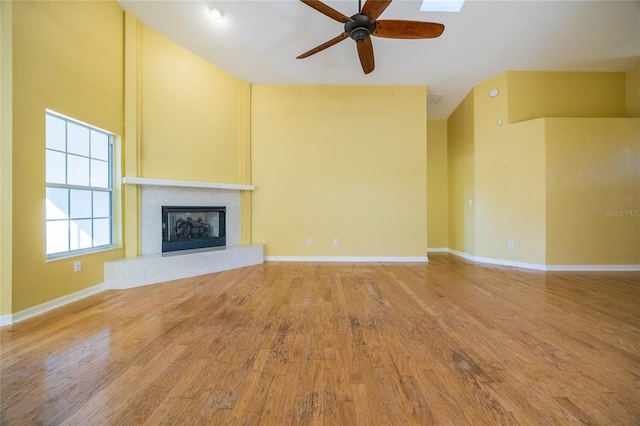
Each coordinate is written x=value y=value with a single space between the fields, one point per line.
x=259 y=40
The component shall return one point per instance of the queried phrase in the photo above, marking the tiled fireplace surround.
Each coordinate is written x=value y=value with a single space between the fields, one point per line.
x=153 y=266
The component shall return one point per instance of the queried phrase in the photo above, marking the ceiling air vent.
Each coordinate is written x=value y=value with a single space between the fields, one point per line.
x=433 y=99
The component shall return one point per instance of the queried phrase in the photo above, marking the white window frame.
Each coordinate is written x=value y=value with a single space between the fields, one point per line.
x=93 y=189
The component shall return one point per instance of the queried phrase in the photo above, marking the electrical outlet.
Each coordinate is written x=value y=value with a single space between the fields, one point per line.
x=77 y=266
x=510 y=244
x=309 y=241
x=335 y=241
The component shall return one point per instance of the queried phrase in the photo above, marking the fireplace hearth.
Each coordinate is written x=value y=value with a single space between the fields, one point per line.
x=192 y=227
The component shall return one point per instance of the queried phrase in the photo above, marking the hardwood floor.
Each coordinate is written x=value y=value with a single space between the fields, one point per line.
x=449 y=343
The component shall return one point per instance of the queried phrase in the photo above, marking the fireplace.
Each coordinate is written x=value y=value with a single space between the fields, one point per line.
x=187 y=227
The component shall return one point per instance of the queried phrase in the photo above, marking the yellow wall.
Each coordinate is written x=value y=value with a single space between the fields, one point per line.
x=6 y=156
x=593 y=191
x=437 y=184
x=565 y=94
x=129 y=153
x=185 y=119
x=67 y=56
x=509 y=179
x=244 y=143
x=460 y=163
x=632 y=86
x=190 y=121
x=339 y=162
x=566 y=191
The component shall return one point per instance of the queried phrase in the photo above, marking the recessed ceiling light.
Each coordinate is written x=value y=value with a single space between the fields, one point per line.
x=216 y=12
x=493 y=93
x=441 y=5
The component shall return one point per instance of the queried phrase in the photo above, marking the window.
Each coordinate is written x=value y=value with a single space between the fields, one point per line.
x=79 y=213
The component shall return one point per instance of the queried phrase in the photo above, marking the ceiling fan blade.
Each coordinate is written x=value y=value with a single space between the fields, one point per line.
x=323 y=46
x=365 y=52
x=329 y=11
x=374 y=8
x=407 y=29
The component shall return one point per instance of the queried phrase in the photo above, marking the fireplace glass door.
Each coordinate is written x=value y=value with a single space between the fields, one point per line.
x=186 y=228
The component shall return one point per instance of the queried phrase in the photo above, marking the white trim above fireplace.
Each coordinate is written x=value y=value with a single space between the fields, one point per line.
x=132 y=180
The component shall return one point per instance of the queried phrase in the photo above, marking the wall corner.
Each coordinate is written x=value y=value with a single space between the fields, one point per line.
x=244 y=144
x=130 y=149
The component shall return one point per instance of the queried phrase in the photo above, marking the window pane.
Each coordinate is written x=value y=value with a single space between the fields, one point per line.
x=80 y=204
x=80 y=234
x=55 y=133
x=56 y=169
x=77 y=139
x=101 y=204
x=78 y=173
x=99 y=174
x=99 y=145
x=57 y=236
x=57 y=203
x=101 y=232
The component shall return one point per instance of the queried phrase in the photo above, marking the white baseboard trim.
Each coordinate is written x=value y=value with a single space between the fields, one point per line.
x=594 y=268
x=438 y=250
x=498 y=262
x=462 y=254
x=511 y=263
x=550 y=268
x=56 y=303
x=6 y=320
x=422 y=259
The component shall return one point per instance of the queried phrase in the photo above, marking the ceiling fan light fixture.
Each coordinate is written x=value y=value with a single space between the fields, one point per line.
x=359 y=27
x=359 y=34
x=216 y=12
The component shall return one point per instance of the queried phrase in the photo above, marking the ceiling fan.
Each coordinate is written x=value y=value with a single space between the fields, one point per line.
x=365 y=23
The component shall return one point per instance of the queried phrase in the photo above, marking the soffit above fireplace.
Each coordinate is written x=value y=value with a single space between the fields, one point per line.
x=131 y=180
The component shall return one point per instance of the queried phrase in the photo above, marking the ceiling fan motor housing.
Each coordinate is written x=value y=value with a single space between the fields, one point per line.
x=360 y=28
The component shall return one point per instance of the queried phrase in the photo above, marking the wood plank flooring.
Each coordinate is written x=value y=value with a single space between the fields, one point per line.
x=446 y=343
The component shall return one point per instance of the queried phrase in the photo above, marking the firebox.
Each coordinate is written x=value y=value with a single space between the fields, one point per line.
x=188 y=227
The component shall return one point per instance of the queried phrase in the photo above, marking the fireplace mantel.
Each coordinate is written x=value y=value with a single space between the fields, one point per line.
x=132 y=180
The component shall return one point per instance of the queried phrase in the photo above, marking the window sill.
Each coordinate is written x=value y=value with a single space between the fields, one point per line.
x=79 y=253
